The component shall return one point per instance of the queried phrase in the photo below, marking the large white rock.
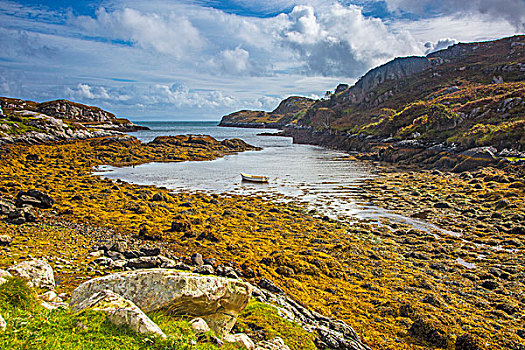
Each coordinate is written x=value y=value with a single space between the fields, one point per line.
x=121 y=312
x=38 y=272
x=218 y=300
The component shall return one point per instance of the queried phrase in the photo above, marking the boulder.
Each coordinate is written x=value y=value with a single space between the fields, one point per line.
x=6 y=206
x=239 y=339
x=204 y=270
x=217 y=300
x=430 y=332
x=468 y=341
x=120 y=312
x=144 y=262
x=199 y=325
x=196 y=259
x=274 y=344
x=3 y=324
x=35 y=198
x=5 y=240
x=38 y=272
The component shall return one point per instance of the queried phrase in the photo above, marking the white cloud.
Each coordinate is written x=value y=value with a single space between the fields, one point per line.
x=512 y=11
x=235 y=61
x=439 y=45
x=166 y=33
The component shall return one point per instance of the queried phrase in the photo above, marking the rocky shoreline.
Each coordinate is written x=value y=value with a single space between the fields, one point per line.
x=396 y=286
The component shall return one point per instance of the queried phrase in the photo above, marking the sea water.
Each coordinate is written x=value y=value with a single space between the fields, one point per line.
x=319 y=178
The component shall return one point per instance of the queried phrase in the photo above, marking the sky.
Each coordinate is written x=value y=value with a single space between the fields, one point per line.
x=200 y=60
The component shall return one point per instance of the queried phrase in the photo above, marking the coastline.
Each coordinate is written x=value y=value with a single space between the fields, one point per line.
x=363 y=273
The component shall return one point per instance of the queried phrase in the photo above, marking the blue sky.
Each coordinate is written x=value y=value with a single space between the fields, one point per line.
x=199 y=60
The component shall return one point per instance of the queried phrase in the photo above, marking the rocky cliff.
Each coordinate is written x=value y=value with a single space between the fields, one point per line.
x=469 y=95
x=32 y=122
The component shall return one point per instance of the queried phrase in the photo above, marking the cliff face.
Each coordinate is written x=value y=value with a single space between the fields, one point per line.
x=471 y=95
x=93 y=117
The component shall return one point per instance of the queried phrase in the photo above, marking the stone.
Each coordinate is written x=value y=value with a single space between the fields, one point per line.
x=468 y=341
x=4 y=275
x=3 y=324
x=35 y=198
x=205 y=270
x=199 y=325
x=38 y=272
x=217 y=300
x=196 y=259
x=274 y=344
x=6 y=206
x=5 y=240
x=50 y=296
x=430 y=332
x=120 y=312
x=144 y=262
x=226 y=271
x=158 y=197
x=104 y=261
x=239 y=339
x=270 y=286
x=119 y=246
x=150 y=251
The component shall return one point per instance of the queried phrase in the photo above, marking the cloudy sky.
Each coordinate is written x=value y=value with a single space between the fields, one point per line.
x=199 y=60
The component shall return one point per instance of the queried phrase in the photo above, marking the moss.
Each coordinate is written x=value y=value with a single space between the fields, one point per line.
x=262 y=322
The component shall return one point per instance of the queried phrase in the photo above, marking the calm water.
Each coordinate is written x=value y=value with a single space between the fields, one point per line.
x=318 y=177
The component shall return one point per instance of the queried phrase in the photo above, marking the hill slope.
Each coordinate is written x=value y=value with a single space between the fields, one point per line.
x=471 y=94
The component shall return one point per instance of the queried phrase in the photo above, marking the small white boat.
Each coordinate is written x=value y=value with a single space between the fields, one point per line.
x=254 y=178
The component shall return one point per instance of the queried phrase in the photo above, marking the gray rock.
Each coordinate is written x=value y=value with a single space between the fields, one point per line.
x=196 y=259
x=104 y=261
x=205 y=270
x=199 y=325
x=121 y=312
x=38 y=272
x=5 y=240
x=144 y=262
x=35 y=198
x=274 y=344
x=217 y=300
x=239 y=339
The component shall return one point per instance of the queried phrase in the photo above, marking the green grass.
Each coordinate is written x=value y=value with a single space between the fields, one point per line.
x=29 y=326
x=258 y=318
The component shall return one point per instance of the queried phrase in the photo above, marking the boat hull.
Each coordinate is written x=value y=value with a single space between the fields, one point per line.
x=254 y=178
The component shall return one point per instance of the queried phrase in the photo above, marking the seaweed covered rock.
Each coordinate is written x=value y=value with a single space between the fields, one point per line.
x=430 y=331
x=35 y=198
x=38 y=272
x=217 y=300
x=468 y=341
